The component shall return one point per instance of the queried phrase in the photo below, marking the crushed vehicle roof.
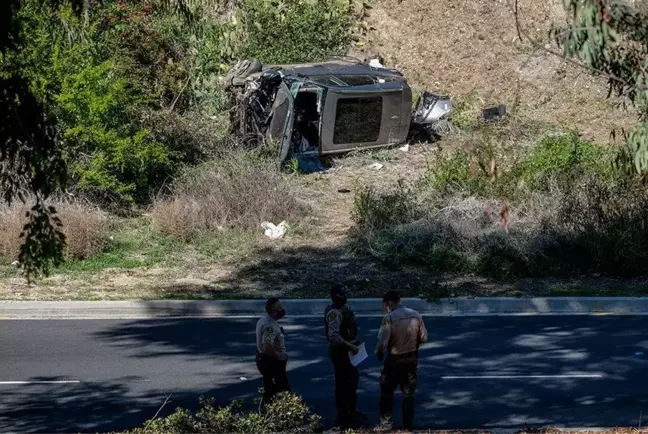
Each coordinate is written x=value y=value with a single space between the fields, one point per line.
x=338 y=73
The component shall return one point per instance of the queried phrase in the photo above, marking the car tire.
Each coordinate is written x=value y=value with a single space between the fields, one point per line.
x=239 y=72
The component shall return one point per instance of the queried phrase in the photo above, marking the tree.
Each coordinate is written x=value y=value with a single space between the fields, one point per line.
x=30 y=161
x=31 y=165
x=610 y=37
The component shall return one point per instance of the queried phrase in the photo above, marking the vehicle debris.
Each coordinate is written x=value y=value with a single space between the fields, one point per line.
x=493 y=113
x=339 y=105
x=274 y=232
x=376 y=63
x=431 y=118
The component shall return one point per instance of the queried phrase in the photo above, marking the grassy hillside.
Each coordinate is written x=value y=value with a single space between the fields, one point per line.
x=470 y=49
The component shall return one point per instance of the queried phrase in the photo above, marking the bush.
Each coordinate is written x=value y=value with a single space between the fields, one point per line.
x=556 y=164
x=553 y=164
x=287 y=414
x=375 y=211
x=559 y=210
x=135 y=90
x=299 y=31
x=240 y=190
x=83 y=226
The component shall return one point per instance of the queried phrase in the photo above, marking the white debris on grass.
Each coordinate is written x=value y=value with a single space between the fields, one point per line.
x=376 y=166
x=274 y=232
x=404 y=148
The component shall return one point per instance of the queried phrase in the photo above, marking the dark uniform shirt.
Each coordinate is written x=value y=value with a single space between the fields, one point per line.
x=340 y=325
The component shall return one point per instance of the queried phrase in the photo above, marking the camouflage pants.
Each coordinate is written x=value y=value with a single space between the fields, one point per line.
x=399 y=371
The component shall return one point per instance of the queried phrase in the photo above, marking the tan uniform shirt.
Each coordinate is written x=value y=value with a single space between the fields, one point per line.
x=268 y=331
x=401 y=332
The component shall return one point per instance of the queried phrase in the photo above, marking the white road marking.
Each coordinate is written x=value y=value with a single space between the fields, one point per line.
x=513 y=377
x=40 y=382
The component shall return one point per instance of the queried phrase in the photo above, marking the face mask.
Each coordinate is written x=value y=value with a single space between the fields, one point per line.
x=281 y=313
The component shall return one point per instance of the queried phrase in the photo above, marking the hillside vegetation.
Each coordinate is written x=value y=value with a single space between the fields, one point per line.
x=162 y=203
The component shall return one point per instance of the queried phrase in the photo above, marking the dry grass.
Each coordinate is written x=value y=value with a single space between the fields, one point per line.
x=475 y=53
x=84 y=228
x=239 y=191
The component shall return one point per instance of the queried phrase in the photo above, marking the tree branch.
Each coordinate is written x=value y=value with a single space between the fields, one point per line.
x=159 y=410
x=611 y=77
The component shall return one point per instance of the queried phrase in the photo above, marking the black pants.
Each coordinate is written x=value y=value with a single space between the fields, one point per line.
x=346 y=384
x=398 y=371
x=275 y=379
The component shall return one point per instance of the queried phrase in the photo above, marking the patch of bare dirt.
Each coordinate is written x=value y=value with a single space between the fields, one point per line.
x=471 y=48
x=332 y=200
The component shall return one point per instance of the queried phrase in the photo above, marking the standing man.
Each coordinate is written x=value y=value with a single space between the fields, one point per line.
x=341 y=331
x=271 y=358
x=401 y=333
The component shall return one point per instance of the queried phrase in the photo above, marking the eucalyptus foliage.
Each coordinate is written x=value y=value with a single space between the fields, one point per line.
x=611 y=38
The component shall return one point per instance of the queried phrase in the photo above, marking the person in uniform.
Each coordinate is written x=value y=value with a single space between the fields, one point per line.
x=341 y=331
x=271 y=358
x=401 y=333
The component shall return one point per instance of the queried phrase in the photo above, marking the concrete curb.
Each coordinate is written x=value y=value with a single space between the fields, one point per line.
x=483 y=306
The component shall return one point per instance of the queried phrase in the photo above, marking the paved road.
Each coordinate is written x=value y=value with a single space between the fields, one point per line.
x=71 y=376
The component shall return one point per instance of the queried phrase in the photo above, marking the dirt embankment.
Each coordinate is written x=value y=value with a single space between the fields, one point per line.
x=471 y=48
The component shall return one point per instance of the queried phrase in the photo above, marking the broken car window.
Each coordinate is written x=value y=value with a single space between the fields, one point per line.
x=358 y=120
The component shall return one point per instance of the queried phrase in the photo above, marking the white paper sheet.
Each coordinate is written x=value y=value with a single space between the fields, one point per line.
x=358 y=358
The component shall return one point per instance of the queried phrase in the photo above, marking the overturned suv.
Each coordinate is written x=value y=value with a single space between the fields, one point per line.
x=331 y=107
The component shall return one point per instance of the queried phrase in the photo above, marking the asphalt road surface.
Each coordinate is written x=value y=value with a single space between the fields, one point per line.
x=476 y=372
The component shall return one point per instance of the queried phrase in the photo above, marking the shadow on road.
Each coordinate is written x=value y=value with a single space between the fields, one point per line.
x=475 y=372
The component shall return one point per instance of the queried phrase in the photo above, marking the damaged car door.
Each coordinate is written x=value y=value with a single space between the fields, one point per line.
x=280 y=131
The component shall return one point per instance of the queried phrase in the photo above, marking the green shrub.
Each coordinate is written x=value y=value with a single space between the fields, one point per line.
x=286 y=414
x=555 y=163
x=558 y=210
x=298 y=31
x=107 y=155
x=376 y=211
x=455 y=173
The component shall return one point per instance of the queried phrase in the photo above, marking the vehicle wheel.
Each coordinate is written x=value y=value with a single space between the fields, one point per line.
x=252 y=141
x=239 y=72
